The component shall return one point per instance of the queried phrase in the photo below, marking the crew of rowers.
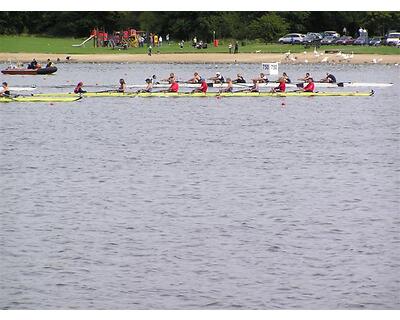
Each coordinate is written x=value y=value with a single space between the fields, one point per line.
x=219 y=79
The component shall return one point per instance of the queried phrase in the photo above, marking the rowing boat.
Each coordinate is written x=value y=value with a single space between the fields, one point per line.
x=39 y=99
x=275 y=84
x=209 y=94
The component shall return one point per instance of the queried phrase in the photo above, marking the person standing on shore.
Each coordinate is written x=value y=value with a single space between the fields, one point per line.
x=230 y=47
x=167 y=38
x=149 y=49
x=236 y=47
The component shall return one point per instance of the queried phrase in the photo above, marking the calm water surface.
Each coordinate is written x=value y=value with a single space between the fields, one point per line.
x=262 y=203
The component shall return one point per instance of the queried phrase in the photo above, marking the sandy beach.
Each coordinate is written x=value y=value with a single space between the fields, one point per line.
x=309 y=57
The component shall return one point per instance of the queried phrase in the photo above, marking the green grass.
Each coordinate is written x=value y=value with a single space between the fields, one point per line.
x=27 y=44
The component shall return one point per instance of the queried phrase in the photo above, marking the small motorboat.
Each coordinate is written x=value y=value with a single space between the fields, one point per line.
x=25 y=71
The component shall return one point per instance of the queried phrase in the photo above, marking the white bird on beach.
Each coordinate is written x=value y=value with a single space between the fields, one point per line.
x=316 y=53
x=339 y=54
x=305 y=61
x=258 y=51
x=324 y=59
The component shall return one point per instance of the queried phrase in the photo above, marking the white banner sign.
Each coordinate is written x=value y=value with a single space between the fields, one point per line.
x=270 y=68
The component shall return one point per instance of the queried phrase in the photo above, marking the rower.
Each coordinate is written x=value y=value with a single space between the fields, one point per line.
x=203 y=87
x=306 y=77
x=153 y=79
x=196 y=78
x=281 y=87
x=330 y=78
x=78 y=88
x=122 y=86
x=218 y=78
x=239 y=79
x=287 y=80
x=149 y=86
x=310 y=85
x=5 y=91
x=254 y=87
x=229 y=88
x=262 y=78
x=171 y=78
x=49 y=63
x=174 y=86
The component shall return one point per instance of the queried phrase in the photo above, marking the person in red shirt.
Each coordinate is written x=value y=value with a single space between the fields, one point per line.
x=281 y=87
x=310 y=85
x=78 y=88
x=203 y=87
x=174 y=86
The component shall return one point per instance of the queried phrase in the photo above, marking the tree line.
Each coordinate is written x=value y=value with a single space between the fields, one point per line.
x=183 y=25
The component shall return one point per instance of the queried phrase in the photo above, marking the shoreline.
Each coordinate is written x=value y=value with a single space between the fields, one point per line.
x=296 y=58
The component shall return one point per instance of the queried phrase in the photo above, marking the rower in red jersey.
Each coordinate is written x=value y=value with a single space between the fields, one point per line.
x=310 y=85
x=281 y=87
x=203 y=87
x=174 y=86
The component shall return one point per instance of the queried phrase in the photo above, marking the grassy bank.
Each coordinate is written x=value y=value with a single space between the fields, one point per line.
x=30 y=44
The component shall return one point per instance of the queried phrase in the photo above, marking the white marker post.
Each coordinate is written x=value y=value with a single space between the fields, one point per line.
x=270 y=69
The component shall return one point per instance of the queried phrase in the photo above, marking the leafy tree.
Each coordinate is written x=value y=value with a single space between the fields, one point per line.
x=269 y=27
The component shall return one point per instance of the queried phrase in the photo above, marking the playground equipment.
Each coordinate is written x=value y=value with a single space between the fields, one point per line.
x=118 y=39
x=83 y=43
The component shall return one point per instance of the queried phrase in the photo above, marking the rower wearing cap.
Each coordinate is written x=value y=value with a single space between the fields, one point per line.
x=281 y=87
x=196 y=78
x=78 y=88
x=153 y=79
x=239 y=79
x=262 y=78
x=203 y=87
x=218 y=78
x=330 y=78
x=5 y=91
x=306 y=77
x=122 y=85
x=310 y=85
x=229 y=88
x=149 y=86
x=287 y=79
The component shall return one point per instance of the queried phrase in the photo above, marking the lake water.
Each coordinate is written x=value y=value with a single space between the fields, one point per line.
x=247 y=203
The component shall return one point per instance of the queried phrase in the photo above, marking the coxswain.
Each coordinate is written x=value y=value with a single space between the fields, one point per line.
x=78 y=88
x=330 y=78
x=287 y=80
x=218 y=78
x=229 y=88
x=122 y=85
x=239 y=79
x=49 y=63
x=149 y=86
x=254 y=87
x=174 y=86
x=262 y=78
x=281 y=87
x=196 y=78
x=310 y=85
x=203 y=87
x=5 y=91
x=306 y=77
